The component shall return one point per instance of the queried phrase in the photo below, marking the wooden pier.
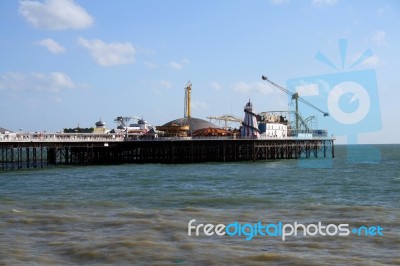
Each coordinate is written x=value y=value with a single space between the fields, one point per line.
x=39 y=154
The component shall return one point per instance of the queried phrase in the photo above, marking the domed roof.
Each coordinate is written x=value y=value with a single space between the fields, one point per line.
x=100 y=124
x=190 y=123
x=248 y=107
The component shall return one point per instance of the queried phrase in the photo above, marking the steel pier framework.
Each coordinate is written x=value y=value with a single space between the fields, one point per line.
x=22 y=155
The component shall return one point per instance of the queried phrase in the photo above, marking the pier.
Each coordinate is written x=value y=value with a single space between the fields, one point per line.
x=265 y=136
x=43 y=150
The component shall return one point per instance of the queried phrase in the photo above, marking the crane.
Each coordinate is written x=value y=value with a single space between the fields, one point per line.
x=296 y=97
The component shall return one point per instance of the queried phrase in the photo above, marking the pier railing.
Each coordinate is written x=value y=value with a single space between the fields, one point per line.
x=118 y=137
x=60 y=137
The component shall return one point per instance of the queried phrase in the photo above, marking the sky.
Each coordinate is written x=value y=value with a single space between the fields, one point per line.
x=66 y=63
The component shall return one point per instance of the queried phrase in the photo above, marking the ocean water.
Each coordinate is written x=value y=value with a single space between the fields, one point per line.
x=139 y=213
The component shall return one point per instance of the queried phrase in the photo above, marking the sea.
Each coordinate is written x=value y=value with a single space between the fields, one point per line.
x=345 y=211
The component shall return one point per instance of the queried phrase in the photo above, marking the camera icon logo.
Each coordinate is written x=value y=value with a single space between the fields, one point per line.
x=358 y=92
x=350 y=97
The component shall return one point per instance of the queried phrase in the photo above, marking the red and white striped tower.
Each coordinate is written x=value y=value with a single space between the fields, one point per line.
x=249 y=125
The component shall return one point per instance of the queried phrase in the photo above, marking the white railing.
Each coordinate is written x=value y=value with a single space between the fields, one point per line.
x=59 y=137
x=112 y=137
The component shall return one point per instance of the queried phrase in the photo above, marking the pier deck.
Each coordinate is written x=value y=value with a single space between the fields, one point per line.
x=38 y=153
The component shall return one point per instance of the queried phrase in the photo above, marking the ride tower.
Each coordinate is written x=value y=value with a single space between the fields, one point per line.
x=249 y=126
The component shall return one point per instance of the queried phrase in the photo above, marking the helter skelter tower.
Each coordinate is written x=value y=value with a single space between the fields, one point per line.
x=249 y=126
x=188 y=91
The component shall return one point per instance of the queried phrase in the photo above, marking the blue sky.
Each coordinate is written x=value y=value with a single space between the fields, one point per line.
x=68 y=62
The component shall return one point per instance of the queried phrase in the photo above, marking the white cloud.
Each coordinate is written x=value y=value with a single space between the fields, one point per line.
x=52 y=46
x=178 y=65
x=151 y=64
x=255 y=87
x=55 y=14
x=278 y=2
x=324 y=2
x=145 y=50
x=159 y=86
x=48 y=82
x=271 y=98
x=175 y=65
x=307 y=90
x=109 y=54
x=372 y=61
x=165 y=84
x=215 y=85
x=379 y=37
